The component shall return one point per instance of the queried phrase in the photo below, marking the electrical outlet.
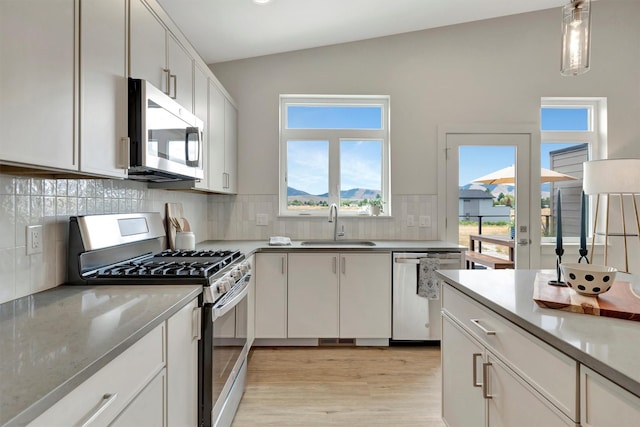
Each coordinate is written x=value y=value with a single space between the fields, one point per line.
x=262 y=219
x=34 y=239
x=425 y=221
x=411 y=221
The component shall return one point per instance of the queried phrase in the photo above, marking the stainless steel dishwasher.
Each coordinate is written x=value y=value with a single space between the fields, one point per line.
x=417 y=318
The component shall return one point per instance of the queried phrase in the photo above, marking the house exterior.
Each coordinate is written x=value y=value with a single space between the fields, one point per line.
x=478 y=204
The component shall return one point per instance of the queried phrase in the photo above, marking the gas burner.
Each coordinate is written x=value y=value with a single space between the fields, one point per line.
x=196 y=253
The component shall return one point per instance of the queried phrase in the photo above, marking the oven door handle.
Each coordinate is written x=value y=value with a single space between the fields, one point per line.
x=227 y=305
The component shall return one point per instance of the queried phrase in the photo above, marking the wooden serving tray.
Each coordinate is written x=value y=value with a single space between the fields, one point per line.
x=620 y=301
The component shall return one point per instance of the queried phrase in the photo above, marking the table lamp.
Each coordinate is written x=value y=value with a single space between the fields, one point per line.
x=613 y=177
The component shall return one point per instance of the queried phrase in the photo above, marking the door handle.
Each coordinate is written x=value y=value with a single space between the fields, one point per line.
x=485 y=381
x=475 y=370
x=524 y=242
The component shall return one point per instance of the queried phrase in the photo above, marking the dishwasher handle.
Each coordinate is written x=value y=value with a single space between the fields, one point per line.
x=443 y=261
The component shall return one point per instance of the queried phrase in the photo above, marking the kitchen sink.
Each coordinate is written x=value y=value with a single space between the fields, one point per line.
x=337 y=243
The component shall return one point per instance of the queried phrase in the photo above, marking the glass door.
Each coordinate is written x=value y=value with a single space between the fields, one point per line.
x=488 y=195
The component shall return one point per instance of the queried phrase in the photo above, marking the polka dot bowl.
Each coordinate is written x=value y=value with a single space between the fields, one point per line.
x=588 y=279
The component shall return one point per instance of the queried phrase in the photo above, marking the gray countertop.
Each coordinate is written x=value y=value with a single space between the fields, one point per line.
x=249 y=247
x=608 y=346
x=54 y=340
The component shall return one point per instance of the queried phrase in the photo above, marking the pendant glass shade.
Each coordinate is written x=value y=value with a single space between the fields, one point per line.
x=576 y=28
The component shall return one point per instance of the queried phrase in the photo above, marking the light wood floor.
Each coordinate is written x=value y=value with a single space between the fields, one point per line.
x=342 y=386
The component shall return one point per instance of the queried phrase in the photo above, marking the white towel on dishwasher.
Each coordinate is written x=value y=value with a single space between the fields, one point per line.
x=428 y=282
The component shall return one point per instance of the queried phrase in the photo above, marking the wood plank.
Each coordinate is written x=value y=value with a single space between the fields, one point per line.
x=620 y=301
x=342 y=386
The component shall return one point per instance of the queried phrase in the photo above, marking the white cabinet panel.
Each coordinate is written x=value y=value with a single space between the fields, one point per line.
x=271 y=295
x=230 y=147
x=201 y=111
x=604 y=404
x=365 y=295
x=103 y=87
x=216 y=138
x=313 y=296
x=181 y=77
x=37 y=83
x=182 y=363
x=462 y=402
x=147 y=409
x=147 y=44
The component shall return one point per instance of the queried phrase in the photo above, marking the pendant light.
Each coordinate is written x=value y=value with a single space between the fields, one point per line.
x=576 y=29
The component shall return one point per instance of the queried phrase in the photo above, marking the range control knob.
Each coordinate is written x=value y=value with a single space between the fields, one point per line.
x=236 y=273
x=245 y=267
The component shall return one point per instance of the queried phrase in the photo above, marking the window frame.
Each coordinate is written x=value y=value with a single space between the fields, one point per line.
x=334 y=137
x=595 y=140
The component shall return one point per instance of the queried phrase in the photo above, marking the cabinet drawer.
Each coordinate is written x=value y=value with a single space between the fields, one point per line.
x=551 y=372
x=110 y=389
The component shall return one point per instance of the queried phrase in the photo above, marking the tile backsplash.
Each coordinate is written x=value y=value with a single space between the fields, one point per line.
x=49 y=202
x=234 y=218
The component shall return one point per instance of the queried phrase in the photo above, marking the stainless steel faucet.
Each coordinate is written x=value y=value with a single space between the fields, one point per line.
x=333 y=217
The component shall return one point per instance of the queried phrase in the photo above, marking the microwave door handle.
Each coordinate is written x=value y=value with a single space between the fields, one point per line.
x=192 y=162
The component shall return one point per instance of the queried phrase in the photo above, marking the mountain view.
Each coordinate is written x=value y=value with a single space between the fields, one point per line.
x=353 y=196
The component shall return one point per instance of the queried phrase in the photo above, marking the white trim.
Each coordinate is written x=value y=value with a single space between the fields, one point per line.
x=333 y=137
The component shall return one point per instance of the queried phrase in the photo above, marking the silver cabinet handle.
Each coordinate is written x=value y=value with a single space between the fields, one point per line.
x=343 y=263
x=196 y=323
x=475 y=370
x=485 y=381
x=168 y=80
x=175 y=85
x=107 y=399
x=482 y=328
x=124 y=154
x=284 y=270
x=335 y=261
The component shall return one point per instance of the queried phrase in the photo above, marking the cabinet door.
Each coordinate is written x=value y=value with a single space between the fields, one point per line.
x=183 y=330
x=181 y=76
x=462 y=356
x=365 y=295
x=201 y=111
x=603 y=403
x=103 y=87
x=313 y=295
x=216 y=138
x=271 y=295
x=37 y=83
x=230 y=147
x=513 y=402
x=148 y=46
x=147 y=409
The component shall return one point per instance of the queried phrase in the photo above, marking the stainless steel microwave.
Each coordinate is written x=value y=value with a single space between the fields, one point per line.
x=165 y=138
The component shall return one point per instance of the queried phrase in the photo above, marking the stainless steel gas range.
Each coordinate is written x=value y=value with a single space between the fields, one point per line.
x=129 y=249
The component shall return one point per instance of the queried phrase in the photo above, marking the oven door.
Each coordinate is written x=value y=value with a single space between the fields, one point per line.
x=229 y=353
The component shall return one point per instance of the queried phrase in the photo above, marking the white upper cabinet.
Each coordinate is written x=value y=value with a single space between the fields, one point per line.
x=103 y=88
x=156 y=56
x=37 y=83
x=230 y=147
x=201 y=110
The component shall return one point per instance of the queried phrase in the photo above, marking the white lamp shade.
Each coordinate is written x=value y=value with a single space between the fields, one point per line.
x=620 y=176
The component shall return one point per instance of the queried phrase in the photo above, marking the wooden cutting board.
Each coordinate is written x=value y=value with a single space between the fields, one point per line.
x=620 y=301
x=173 y=212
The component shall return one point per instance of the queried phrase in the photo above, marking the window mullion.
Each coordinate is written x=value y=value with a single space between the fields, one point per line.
x=334 y=169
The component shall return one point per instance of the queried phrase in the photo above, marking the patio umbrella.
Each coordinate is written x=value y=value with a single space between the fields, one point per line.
x=507 y=176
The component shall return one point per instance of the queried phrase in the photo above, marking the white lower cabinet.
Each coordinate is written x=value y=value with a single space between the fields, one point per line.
x=183 y=332
x=339 y=295
x=313 y=296
x=604 y=404
x=495 y=375
x=152 y=383
x=271 y=295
